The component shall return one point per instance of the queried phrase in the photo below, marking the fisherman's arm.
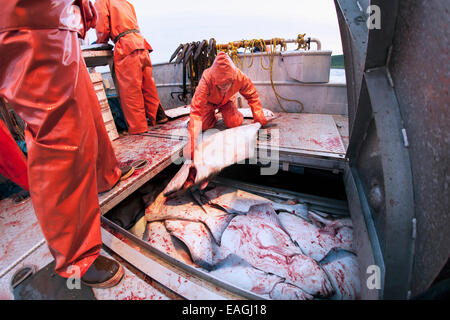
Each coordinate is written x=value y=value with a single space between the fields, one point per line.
x=195 y=118
x=248 y=91
x=103 y=27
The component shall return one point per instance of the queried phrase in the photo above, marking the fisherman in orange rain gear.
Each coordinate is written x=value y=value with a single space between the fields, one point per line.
x=13 y=164
x=132 y=66
x=217 y=89
x=44 y=78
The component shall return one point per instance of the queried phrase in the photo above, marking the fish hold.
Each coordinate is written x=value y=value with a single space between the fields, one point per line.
x=215 y=153
x=204 y=251
x=158 y=237
x=183 y=207
x=239 y=202
x=239 y=272
x=286 y=291
x=342 y=269
x=314 y=241
x=259 y=239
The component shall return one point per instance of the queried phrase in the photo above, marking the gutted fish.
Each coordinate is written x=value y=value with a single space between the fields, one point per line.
x=158 y=237
x=239 y=272
x=259 y=239
x=239 y=202
x=315 y=242
x=261 y=227
x=215 y=153
x=184 y=207
x=202 y=247
x=286 y=291
x=342 y=269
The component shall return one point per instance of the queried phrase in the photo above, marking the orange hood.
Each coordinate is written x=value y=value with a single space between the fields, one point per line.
x=223 y=69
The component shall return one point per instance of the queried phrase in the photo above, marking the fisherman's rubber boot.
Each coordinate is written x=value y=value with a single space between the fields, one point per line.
x=161 y=116
x=127 y=171
x=103 y=273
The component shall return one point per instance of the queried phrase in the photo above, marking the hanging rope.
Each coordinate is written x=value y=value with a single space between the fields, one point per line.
x=277 y=95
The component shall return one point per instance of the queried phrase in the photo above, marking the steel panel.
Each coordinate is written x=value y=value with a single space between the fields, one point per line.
x=421 y=76
x=378 y=155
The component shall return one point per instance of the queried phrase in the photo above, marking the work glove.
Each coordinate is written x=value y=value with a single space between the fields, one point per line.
x=259 y=117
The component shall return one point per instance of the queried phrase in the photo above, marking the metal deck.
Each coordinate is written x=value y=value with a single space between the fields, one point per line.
x=314 y=140
x=21 y=239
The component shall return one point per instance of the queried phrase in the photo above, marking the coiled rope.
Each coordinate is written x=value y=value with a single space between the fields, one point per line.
x=232 y=50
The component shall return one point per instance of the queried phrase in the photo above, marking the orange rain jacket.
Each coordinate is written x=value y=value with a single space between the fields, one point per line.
x=132 y=65
x=45 y=79
x=13 y=164
x=207 y=99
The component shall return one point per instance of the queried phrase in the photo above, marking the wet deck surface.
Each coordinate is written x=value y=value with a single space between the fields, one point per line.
x=20 y=232
x=305 y=134
x=159 y=152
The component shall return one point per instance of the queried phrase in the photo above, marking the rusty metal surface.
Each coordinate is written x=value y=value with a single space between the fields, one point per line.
x=378 y=154
x=421 y=74
x=159 y=152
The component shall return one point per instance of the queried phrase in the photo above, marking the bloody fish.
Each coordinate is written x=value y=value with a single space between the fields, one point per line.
x=183 y=207
x=239 y=202
x=202 y=247
x=314 y=241
x=259 y=239
x=286 y=291
x=343 y=272
x=239 y=272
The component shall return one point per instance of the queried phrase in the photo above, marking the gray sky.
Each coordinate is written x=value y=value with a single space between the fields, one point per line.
x=166 y=24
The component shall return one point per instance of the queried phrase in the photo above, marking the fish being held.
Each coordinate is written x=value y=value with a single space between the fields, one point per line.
x=259 y=239
x=215 y=153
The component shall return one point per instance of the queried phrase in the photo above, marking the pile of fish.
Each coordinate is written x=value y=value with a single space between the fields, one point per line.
x=274 y=250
